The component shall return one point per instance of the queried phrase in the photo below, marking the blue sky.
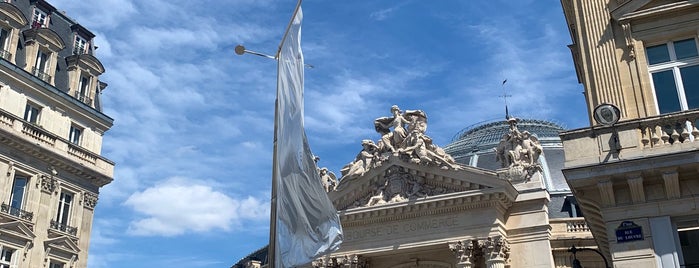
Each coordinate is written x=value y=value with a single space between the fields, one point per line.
x=192 y=137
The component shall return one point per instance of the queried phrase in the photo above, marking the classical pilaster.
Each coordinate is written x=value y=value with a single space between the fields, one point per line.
x=464 y=251
x=496 y=251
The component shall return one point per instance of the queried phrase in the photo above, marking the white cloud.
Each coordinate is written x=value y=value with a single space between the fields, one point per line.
x=179 y=205
x=386 y=12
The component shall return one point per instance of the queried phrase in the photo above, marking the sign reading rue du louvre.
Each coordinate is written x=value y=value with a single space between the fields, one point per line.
x=628 y=231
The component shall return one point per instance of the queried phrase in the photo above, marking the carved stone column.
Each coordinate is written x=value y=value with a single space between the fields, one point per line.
x=464 y=251
x=496 y=251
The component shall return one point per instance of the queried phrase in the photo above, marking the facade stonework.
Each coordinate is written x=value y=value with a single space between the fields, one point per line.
x=635 y=180
x=51 y=127
x=418 y=210
x=401 y=208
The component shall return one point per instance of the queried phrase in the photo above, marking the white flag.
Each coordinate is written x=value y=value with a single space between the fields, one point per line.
x=307 y=223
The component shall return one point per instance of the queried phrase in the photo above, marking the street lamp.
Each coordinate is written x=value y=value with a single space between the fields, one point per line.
x=576 y=262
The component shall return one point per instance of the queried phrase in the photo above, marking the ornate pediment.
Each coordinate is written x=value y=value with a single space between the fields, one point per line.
x=62 y=243
x=397 y=181
x=17 y=229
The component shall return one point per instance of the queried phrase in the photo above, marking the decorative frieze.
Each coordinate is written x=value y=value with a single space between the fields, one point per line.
x=346 y=261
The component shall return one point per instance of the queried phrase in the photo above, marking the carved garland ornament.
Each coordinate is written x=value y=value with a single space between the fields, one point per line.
x=90 y=200
x=48 y=184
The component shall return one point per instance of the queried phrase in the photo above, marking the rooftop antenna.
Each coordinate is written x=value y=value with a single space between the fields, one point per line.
x=504 y=96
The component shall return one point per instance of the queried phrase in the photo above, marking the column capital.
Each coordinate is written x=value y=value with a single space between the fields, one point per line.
x=496 y=251
x=464 y=251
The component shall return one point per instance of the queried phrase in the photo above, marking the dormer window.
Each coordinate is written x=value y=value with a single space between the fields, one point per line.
x=83 y=93
x=80 y=45
x=40 y=68
x=40 y=19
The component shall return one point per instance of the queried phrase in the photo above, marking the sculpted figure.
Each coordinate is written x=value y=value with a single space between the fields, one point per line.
x=328 y=179
x=383 y=125
x=519 y=152
x=531 y=149
x=417 y=120
x=365 y=160
x=502 y=151
x=416 y=148
x=443 y=157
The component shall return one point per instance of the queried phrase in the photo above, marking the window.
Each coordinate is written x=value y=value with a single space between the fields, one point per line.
x=5 y=44
x=570 y=205
x=674 y=69
x=74 y=136
x=80 y=45
x=6 y=260
x=31 y=113
x=55 y=264
x=19 y=187
x=63 y=213
x=39 y=19
x=41 y=65
x=688 y=245
x=84 y=90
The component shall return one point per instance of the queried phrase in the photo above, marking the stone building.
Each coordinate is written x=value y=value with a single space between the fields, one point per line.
x=51 y=128
x=406 y=202
x=636 y=179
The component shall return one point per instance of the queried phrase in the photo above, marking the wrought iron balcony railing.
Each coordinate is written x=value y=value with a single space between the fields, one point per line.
x=64 y=228
x=17 y=212
x=41 y=74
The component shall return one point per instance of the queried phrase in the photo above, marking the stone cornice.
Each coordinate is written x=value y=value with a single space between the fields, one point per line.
x=443 y=204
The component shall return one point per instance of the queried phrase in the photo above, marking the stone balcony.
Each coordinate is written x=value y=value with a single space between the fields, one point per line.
x=632 y=139
x=569 y=228
x=35 y=137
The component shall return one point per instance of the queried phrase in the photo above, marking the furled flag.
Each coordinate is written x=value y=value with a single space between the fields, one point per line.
x=307 y=224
